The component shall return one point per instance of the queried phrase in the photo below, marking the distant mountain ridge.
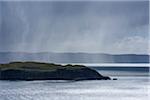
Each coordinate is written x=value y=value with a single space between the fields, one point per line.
x=6 y=57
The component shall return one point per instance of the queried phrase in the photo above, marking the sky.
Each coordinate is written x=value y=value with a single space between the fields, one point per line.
x=114 y=27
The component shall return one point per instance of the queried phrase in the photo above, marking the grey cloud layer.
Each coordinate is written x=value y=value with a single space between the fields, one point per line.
x=73 y=26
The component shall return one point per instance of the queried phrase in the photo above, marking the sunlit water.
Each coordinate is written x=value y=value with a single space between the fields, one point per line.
x=125 y=88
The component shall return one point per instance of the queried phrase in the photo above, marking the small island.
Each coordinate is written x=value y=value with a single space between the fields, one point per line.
x=47 y=71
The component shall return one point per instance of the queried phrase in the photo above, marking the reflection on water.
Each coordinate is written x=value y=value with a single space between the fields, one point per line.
x=125 y=88
x=131 y=85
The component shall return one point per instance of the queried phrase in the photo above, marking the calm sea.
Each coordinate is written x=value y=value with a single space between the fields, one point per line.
x=132 y=84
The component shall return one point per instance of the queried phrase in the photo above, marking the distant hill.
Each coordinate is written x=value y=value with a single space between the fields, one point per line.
x=6 y=57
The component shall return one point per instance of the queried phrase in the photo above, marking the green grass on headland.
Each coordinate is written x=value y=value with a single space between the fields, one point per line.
x=38 y=66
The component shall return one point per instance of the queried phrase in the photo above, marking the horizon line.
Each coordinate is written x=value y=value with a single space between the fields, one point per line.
x=77 y=52
x=112 y=64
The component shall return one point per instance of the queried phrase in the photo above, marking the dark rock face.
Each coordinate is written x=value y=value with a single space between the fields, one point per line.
x=114 y=78
x=45 y=71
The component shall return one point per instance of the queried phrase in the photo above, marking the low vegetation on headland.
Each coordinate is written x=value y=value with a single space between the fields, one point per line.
x=47 y=71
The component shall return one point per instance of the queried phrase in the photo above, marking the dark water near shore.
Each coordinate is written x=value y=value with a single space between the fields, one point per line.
x=123 y=71
x=129 y=68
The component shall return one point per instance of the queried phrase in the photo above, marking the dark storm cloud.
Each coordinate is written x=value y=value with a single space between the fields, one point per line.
x=74 y=26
